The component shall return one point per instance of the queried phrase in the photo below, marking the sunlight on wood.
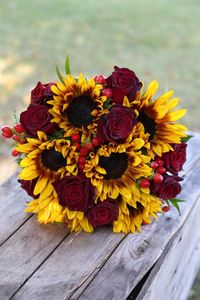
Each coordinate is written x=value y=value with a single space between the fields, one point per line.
x=7 y=168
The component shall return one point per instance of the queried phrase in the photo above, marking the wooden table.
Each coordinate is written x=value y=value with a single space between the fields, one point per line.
x=47 y=262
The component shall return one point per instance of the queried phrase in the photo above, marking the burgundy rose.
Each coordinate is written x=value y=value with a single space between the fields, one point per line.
x=28 y=186
x=123 y=82
x=42 y=93
x=103 y=213
x=169 y=188
x=75 y=192
x=174 y=160
x=116 y=125
x=37 y=118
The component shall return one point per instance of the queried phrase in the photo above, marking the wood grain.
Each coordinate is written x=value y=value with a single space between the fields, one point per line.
x=24 y=252
x=70 y=265
x=175 y=271
x=12 y=204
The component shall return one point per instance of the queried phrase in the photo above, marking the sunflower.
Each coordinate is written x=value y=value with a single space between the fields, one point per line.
x=77 y=104
x=131 y=218
x=113 y=170
x=76 y=221
x=47 y=160
x=158 y=119
x=47 y=206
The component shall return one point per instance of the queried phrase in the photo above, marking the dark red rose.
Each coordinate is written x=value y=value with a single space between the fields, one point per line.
x=75 y=192
x=167 y=189
x=28 y=186
x=37 y=118
x=42 y=93
x=174 y=160
x=123 y=82
x=116 y=125
x=103 y=213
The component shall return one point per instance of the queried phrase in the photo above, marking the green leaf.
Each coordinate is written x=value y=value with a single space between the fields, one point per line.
x=59 y=75
x=67 y=66
x=15 y=117
x=187 y=138
x=174 y=202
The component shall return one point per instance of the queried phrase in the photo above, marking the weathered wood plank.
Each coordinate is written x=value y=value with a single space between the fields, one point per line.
x=25 y=251
x=136 y=255
x=175 y=271
x=12 y=203
x=70 y=265
x=193 y=152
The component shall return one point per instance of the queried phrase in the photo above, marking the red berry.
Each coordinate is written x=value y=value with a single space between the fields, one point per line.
x=144 y=183
x=154 y=165
x=107 y=92
x=161 y=170
x=157 y=178
x=144 y=223
x=166 y=208
x=96 y=142
x=159 y=162
x=16 y=138
x=15 y=152
x=81 y=159
x=89 y=146
x=6 y=132
x=6 y=135
x=83 y=151
x=78 y=146
x=75 y=137
x=100 y=79
x=19 y=128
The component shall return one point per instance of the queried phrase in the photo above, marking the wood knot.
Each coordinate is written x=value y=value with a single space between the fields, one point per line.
x=138 y=248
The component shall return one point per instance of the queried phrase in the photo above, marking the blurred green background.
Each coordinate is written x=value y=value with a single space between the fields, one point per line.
x=157 y=39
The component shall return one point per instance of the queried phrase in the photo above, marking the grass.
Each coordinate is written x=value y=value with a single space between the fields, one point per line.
x=158 y=39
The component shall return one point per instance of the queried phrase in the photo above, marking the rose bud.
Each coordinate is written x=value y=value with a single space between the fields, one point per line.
x=174 y=160
x=37 y=118
x=123 y=82
x=100 y=79
x=75 y=192
x=104 y=213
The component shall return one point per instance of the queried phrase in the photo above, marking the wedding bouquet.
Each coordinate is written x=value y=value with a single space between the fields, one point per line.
x=100 y=151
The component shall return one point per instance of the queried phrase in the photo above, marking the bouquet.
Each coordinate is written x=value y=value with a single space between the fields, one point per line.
x=100 y=151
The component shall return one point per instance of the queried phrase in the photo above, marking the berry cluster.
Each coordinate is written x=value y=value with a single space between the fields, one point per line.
x=16 y=133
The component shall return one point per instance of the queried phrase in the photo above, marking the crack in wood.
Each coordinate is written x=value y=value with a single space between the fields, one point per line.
x=43 y=261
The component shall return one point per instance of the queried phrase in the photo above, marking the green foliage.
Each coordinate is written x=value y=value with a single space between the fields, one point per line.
x=67 y=66
x=186 y=139
x=60 y=76
x=15 y=117
x=175 y=202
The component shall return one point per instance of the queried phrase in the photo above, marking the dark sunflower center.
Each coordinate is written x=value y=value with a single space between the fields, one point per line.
x=136 y=211
x=149 y=124
x=79 y=111
x=115 y=165
x=53 y=159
